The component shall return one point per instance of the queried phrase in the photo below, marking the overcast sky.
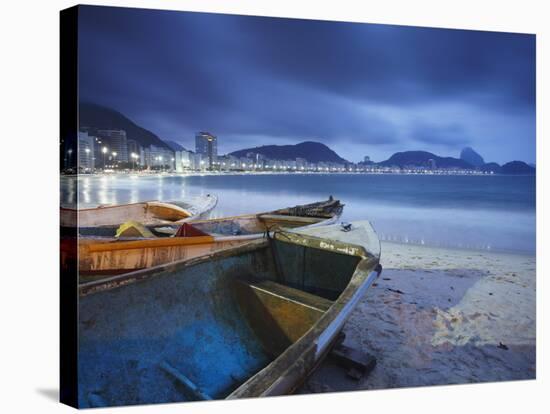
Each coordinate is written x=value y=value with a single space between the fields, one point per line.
x=362 y=89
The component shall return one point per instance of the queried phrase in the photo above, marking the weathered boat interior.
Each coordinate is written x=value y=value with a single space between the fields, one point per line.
x=326 y=209
x=227 y=226
x=252 y=224
x=204 y=328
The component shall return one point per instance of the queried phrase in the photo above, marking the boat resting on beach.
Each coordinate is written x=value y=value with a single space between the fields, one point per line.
x=248 y=321
x=146 y=213
x=99 y=256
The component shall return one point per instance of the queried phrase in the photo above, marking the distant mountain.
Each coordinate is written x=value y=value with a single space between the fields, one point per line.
x=174 y=145
x=518 y=168
x=422 y=159
x=471 y=157
x=511 y=168
x=309 y=150
x=491 y=167
x=99 y=117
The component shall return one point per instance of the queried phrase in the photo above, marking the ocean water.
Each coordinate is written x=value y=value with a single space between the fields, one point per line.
x=474 y=212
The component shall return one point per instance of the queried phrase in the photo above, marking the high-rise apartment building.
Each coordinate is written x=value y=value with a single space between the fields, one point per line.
x=116 y=142
x=86 y=155
x=206 y=145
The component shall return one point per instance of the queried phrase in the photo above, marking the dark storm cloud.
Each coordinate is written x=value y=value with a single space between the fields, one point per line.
x=451 y=135
x=357 y=87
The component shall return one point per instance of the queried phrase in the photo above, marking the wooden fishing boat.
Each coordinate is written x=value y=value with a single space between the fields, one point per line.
x=100 y=256
x=147 y=213
x=249 y=321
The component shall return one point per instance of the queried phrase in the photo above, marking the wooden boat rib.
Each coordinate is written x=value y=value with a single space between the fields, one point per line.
x=100 y=256
x=148 y=213
x=243 y=322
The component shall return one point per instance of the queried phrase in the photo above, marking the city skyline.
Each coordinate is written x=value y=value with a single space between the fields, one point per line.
x=362 y=88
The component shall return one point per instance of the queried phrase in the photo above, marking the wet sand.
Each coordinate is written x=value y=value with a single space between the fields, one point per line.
x=441 y=316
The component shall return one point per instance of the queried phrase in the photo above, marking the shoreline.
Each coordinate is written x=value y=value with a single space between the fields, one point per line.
x=226 y=173
x=472 y=251
x=439 y=316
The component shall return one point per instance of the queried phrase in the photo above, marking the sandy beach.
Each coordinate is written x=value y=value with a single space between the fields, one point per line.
x=441 y=316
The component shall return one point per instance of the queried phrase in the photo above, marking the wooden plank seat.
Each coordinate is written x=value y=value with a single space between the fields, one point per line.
x=277 y=313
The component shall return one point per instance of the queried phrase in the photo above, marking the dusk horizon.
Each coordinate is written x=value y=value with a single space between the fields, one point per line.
x=188 y=145
x=361 y=89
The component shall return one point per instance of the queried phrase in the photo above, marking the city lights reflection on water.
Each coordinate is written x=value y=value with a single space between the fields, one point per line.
x=113 y=189
x=488 y=213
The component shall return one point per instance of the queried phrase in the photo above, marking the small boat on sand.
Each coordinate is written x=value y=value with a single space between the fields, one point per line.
x=146 y=213
x=100 y=255
x=248 y=321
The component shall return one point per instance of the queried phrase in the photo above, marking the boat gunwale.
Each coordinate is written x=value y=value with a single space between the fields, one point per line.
x=106 y=206
x=147 y=243
x=109 y=244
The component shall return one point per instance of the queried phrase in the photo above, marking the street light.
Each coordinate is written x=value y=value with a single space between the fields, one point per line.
x=87 y=150
x=104 y=150
x=114 y=156
x=134 y=157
